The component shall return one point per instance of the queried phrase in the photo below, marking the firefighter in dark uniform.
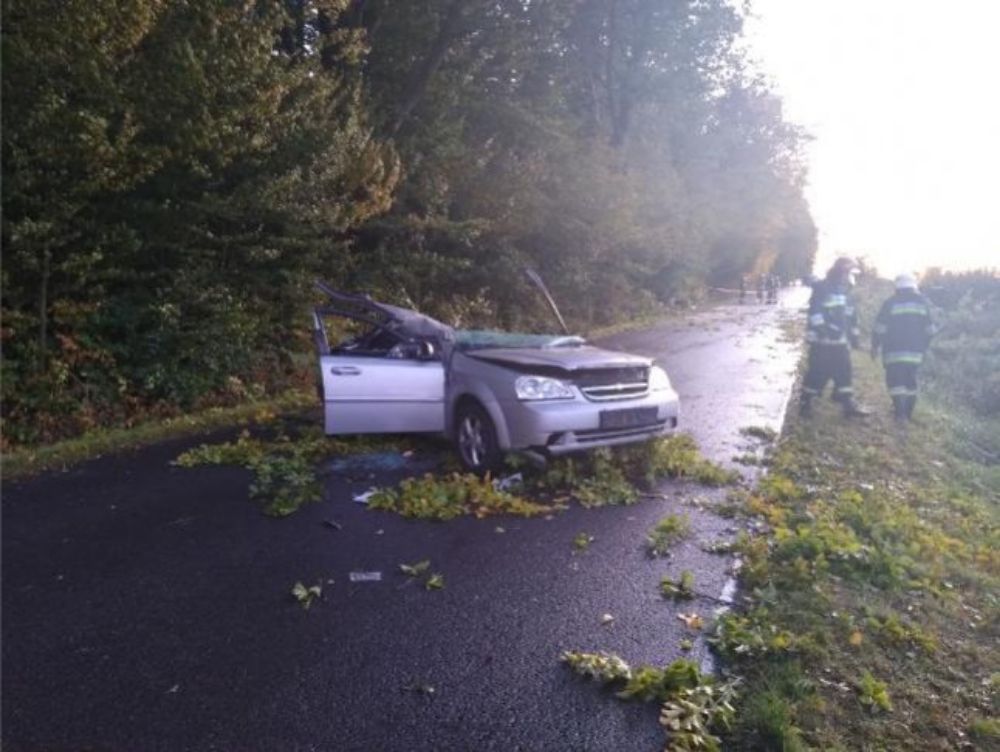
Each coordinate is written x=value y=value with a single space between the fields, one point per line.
x=833 y=329
x=903 y=331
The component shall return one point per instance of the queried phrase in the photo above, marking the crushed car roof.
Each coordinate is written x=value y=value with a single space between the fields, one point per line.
x=389 y=317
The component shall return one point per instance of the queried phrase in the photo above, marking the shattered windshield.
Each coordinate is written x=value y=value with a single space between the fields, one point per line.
x=479 y=339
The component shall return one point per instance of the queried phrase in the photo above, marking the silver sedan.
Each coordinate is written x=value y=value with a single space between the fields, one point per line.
x=398 y=371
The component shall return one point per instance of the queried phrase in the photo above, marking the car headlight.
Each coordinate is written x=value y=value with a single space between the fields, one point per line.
x=542 y=388
x=658 y=380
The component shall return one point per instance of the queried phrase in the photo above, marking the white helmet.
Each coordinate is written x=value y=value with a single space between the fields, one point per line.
x=906 y=282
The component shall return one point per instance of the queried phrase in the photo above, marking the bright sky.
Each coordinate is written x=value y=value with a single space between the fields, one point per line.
x=903 y=100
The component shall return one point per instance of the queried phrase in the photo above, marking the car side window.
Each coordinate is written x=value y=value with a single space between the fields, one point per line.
x=362 y=339
x=414 y=350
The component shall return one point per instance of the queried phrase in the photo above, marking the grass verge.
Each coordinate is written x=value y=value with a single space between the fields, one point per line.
x=62 y=455
x=873 y=591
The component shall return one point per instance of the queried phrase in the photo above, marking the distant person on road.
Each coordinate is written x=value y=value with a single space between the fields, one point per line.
x=903 y=331
x=772 y=288
x=760 y=288
x=833 y=329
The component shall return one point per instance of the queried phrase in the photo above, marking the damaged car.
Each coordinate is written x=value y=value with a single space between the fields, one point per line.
x=393 y=370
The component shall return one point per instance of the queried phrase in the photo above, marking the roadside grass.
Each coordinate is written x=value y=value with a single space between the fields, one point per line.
x=873 y=593
x=64 y=454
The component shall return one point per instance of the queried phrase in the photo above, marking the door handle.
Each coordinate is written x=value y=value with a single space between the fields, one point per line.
x=345 y=371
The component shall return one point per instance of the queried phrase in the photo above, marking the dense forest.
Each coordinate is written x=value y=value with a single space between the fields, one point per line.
x=176 y=173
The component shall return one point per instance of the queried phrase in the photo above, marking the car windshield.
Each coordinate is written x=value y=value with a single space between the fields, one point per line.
x=480 y=339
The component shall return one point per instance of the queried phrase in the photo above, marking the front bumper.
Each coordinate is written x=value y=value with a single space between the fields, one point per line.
x=563 y=426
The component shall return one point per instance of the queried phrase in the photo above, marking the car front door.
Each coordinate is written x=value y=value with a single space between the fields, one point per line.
x=380 y=392
x=364 y=394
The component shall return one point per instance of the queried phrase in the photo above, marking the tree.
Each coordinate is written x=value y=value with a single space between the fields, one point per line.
x=173 y=174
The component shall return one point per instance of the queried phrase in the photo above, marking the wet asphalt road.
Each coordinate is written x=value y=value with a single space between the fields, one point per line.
x=147 y=607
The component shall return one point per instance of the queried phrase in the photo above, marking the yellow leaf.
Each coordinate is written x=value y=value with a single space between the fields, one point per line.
x=692 y=620
x=856 y=638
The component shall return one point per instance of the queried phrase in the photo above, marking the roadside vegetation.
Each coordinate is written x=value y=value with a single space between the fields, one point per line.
x=28 y=460
x=871 y=606
x=870 y=570
x=176 y=174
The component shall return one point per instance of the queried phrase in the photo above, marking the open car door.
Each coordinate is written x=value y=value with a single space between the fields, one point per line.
x=387 y=374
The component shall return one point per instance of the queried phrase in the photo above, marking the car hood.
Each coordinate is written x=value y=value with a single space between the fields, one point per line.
x=582 y=358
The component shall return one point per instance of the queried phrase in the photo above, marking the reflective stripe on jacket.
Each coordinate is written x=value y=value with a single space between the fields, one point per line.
x=903 y=328
x=832 y=318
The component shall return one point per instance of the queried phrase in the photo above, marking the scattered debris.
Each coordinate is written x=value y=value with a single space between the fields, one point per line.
x=666 y=532
x=362 y=498
x=717 y=546
x=693 y=703
x=333 y=524
x=365 y=576
x=415 y=570
x=729 y=589
x=679 y=589
x=445 y=497
x=435 y=582
x=427 y=690
x=499 y=529
x=582 y=541
x=692 y=620
x=509 y=482
x=306 y=595
x=605 y=667
x=607 y=618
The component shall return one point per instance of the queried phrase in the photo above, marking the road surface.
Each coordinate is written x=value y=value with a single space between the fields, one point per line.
x=147 y=607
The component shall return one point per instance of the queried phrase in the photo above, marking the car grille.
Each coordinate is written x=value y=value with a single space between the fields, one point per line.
x=589 y=437
x=603 y=384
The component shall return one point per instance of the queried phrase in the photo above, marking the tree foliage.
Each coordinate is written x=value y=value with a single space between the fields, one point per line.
x=175 y=173
x=172 y=174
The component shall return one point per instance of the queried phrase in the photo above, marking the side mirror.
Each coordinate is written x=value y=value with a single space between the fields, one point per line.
x=427 y=351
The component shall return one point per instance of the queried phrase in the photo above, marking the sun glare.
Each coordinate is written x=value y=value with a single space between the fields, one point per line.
x=898 y=98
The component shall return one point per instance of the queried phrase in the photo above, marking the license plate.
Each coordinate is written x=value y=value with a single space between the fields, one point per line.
x=631 y=418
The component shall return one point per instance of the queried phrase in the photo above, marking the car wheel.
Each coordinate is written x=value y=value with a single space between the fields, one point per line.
x=476 y=439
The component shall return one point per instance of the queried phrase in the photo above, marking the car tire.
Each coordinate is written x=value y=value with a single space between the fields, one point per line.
x=476 y=439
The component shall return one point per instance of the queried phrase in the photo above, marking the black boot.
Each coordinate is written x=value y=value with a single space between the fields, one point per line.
x=899 y=408
x=853 y=410
x=806 y=406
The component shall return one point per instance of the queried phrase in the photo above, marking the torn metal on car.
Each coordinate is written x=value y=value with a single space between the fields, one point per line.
x=398 y=371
